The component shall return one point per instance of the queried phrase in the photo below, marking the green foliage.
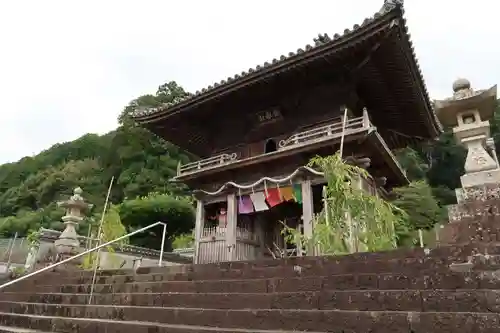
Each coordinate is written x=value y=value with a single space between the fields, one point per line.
x=422 y=208
x=418 y=201
x=412 y=162
x=177 y=212
x=375 y=218
x=167 y=93
x=33 y=238
x=447 y=162
x=89 y=261
x=183 y=241
x=112 y=228
x=141 y=163
x=16 y=272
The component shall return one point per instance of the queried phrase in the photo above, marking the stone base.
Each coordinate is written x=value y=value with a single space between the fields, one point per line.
x=480 y=178
x=475 y=219
x=478 y=193
x=72 y=265
x=485 y=230
x=473 y=210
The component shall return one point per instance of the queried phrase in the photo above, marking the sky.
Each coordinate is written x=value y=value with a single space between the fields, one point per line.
x=69 y=67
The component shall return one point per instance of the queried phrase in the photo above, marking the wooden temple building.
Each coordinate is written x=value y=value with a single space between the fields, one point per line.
x=255 y=132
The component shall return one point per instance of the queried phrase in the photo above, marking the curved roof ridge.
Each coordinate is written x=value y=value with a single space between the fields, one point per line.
x=389 y=7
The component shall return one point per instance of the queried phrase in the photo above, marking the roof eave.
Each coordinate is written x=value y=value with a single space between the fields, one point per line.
x=270 y=69
x=436 y=128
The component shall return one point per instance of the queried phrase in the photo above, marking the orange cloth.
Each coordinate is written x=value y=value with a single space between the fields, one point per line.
x=273 y=197
x=287 y=193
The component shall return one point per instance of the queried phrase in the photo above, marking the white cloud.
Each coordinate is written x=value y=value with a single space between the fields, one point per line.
x=68 y=67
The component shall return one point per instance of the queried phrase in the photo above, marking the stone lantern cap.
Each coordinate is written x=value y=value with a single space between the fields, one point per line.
x=466 y=99
x=75 y=201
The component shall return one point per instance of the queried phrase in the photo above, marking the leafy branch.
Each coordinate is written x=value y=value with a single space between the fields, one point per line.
x=112 y=228
x=354 y=219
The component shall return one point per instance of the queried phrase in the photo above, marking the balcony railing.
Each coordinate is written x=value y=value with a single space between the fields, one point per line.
x=207 y=163
x=326 y=132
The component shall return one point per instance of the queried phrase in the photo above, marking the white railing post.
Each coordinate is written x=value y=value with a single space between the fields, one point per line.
x=366 y=118
x=179 y=166
x=160 y=262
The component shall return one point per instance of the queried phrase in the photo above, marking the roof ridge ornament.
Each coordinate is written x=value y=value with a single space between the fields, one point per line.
x=390 y=5
x=321 y=39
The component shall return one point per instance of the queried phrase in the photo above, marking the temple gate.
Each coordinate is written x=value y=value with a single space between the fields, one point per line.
x=255 y=133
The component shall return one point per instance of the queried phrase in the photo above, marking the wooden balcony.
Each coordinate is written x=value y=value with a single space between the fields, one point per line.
x=298 y=141
x=208 y=163
x=325 y=132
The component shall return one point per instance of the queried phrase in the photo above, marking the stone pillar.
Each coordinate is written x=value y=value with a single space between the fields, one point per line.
x=67 y=244
x=468 y=112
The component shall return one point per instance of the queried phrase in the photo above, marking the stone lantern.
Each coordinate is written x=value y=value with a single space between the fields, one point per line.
x=469 y=112
x=68 y=244
x=475 y=216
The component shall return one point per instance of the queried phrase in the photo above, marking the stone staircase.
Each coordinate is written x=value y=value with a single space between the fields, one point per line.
x=448 y=289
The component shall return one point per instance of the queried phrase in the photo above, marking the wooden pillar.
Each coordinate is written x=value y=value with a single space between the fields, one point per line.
x=198 y=229
x=308 y=213
x=299 y=244
x=357 y=226
x=261 y=235
x=232 y=220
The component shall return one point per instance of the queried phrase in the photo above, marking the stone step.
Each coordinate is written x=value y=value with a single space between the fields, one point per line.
x=88 y=325
x=366 y=300
x=388 y=281
x=410 y=266
x=456 y=252
x=304 y=266
x=277 y=319
x=359 y=262
x=272 y=272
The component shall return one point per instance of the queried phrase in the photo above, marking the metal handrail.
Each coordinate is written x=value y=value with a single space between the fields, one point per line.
x=24 y=277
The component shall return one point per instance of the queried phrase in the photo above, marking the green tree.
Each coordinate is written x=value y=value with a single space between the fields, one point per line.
x=177 y=212
x=422 y=209
x=140 y=162
x=167 y=93
x=412 y=162
x=447 y=162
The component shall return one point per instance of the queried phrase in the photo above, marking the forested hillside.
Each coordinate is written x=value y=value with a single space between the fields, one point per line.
x=141 y=165
x=140 y=162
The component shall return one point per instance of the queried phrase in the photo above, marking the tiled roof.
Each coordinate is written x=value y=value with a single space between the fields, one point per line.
x=390 y=6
